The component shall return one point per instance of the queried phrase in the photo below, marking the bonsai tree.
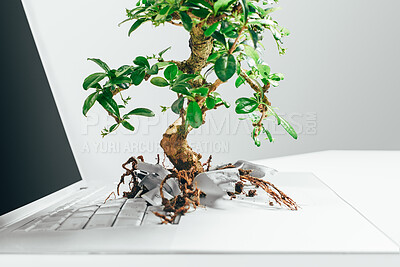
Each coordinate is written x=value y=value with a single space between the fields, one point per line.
x=224 y=40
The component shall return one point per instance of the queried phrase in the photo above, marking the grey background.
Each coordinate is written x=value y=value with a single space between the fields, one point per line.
x=340 y=90
x=342 y=63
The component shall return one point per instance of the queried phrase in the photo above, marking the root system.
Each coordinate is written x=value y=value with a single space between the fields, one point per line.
x=190 y=195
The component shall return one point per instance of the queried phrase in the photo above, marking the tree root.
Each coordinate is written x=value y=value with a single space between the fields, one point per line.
x=134 y=187
x=189 y=196
x=277 y=195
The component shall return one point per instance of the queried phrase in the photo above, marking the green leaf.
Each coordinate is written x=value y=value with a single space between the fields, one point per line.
x=277 y=77
x=219 y=37
x=113 y=127
x=141 y=61
x=159 y=81
x=210 y=102
x=181 y=90
x=245 y=105
x=121 y=79
x=185 y=77
x=201 y=12
x=202 y=2
x=163 y=64
x=225 y=67
x=89 y=102
x=239 y=81
x=163 y=51
x=194 y=115
x=269 y=135
x=201 y=91
x=137 y=76
x=211 y=29
x=222 y=5
x=92 y=80
x=255 y=138
x=213 y=57
x=153 y=70
x=108 y=104
x=245 y=10
x=288 y=128
x=264 y=70
x=251 y=52
x=254 y=37
x=177 y=105
x=186 y=20
x=136 y=25
x=141 y=112
x=271 y=9
x=103 y=65
x=128 y=126
x=273 y=113
x=171 y=72
x=123 y=70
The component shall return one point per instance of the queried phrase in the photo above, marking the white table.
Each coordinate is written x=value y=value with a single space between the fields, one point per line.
x=368 y=180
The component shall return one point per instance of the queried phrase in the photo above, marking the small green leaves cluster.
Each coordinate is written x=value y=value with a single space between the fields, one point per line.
x=110 y=83
x=249 y=105
x=236 y=28
x=180 y=83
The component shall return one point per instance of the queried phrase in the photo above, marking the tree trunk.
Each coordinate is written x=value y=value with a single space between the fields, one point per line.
x=174 y=140
x=177 y=148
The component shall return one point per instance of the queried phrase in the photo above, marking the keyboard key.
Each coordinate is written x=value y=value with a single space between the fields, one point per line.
x=127 y=222
x=150 y=218
x=46 y=226
x=89 y=208
x=100 y=220
x=29 y=225
x=137 y=206
x=84 y=214
x=138 y=199
x=73 y=223
x=55 y=219
x=108 y=210
x=154 y=198
x=131 y=213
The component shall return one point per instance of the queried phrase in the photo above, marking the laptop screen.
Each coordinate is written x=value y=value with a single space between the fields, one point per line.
x=36 y=157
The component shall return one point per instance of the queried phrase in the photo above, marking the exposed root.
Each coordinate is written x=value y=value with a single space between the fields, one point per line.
x=239 y=187
x=208 y=163
x=190 y=195
x=163 y=161
x=229 y=166
x=134 y=188
x=251 y=193
x=277 y=195
x=180 y=204
x=109 y=196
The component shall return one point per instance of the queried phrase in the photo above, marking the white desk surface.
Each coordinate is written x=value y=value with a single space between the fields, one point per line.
x=368 y=180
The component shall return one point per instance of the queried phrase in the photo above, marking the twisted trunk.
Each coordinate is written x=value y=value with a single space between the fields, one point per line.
x=174 y=141
x=177 y=148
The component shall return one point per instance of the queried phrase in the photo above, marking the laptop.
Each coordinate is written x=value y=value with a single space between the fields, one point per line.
x=54 y=206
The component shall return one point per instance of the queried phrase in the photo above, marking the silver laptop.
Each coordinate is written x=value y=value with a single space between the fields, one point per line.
x=56 y=206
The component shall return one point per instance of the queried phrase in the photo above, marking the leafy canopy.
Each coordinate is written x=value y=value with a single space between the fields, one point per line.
x=236 y=28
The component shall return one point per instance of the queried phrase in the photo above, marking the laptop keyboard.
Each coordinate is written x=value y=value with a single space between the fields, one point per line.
x=113 y=213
